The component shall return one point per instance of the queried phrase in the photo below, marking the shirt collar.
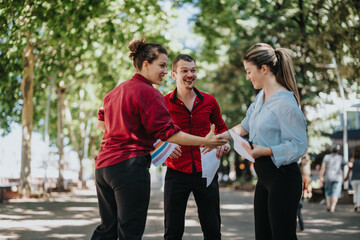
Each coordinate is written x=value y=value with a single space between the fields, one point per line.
x=141 y=78
x=198 y=94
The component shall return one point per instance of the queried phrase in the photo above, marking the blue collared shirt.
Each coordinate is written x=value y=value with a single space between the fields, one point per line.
x=278 y=123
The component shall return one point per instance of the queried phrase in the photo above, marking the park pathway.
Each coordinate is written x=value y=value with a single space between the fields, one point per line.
x=75 y=215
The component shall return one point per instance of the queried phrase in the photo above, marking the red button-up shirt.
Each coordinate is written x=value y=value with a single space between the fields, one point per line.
x=135 y=115
x=205 y=111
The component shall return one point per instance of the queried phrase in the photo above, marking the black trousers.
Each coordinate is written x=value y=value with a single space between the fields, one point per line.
x=276 y=200
x=123 y=192
x=178 y=186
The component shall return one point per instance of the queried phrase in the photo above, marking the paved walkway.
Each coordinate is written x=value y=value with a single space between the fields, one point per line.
x=75 y=215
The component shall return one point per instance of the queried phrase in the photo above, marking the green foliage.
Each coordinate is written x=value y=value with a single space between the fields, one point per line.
x=230 y=27
x=83 y=44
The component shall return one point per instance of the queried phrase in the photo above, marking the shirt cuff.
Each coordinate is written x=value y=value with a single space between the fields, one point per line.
x=101 y=115
x=276 y=156
x=168 y=133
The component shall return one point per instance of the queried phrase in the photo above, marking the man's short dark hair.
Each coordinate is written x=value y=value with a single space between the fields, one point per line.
x=335 y=148
x=179 y=57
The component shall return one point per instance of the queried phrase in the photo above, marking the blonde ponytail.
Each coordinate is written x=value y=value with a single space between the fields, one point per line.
x=280 y=63
x=285 y=74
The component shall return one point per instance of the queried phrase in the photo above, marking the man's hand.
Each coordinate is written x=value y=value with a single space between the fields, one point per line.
x=206 y=149
x=211 y=140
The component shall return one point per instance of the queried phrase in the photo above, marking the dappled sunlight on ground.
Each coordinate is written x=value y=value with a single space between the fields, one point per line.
x=31 y=212
x=61 y=216
x=155 y=211
x=153 y=235
x=10 y=236
x=75 y=216
x=236 y=206
x=154 y=218
x=80 y=209
x=319 y=224
x=192 y=223
x=67 y=236
x=44 y=225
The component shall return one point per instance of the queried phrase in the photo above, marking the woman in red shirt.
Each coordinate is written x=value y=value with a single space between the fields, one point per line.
x=135 y=115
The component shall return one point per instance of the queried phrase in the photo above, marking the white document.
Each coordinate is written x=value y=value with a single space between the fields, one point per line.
x=161 y=152
x=239 y=148
x=209 y=164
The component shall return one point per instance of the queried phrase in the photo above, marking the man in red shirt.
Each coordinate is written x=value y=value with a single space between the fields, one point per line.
x=192 y=111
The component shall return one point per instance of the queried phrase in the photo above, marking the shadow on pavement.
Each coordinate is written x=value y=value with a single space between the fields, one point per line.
x=75 y=216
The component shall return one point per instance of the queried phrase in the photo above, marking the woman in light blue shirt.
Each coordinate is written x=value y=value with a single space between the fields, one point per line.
x=277 y=129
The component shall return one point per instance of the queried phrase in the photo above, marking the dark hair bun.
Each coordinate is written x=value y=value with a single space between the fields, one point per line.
x=142 y=51
x=135 y=46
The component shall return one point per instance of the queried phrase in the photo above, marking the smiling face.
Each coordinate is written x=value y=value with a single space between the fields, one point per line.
x=185 y=74
x=255 y=75
x=155 y=71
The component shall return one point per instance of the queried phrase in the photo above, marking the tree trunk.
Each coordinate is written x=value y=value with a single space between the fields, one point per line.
x=60 y=90
x=74 y=141
x=86 y=149
x=27 y=88
x=47 y=136
x=93 y=152
x=82 y=134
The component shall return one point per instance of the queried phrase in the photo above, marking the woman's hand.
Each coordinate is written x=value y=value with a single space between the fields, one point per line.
x=176 y=153
x=257 y=151
x=220 y=151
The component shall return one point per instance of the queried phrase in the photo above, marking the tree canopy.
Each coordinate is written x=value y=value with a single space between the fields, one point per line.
x=310 y=29
x=82 y=46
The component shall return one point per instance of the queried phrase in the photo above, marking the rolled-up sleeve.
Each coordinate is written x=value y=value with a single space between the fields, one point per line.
x=293 y=136
x=101 y=115
x=157 y=120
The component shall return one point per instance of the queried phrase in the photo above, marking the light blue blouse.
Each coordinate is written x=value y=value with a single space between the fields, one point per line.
x=278 y=123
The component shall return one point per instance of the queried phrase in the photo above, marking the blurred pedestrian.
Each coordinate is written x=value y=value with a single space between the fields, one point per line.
x=305 y=173
x=277 y=129
x=331 y=174
x=305 y=167
x=134 y=115
x=320 y=157
x=354 y=168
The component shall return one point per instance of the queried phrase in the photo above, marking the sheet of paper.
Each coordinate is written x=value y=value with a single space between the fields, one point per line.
x=161 y=152
x=210 y=164
x=239 y=148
